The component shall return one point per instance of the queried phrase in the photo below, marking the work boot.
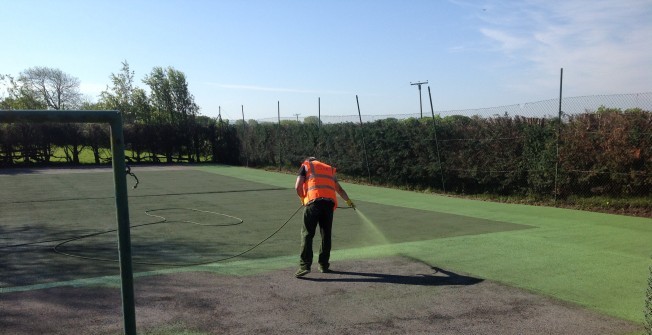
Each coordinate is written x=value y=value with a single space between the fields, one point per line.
x=301 y=272
x=324 y=269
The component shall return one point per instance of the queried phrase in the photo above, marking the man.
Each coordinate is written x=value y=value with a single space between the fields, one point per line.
x=317 y=186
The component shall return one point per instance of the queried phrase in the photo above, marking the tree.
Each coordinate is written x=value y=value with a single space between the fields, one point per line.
x=125 y=97
x=182 y=100
x=174 y=105
x=160 y=96
x=52 y=88
x=18 y=97
x=142 y=107
x=119 y=96
x=312 y=120
x=170 y=98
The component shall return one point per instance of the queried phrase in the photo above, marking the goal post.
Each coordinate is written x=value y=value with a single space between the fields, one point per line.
x=114 y=119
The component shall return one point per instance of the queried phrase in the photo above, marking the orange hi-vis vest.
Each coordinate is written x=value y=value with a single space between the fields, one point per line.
x=320 y=182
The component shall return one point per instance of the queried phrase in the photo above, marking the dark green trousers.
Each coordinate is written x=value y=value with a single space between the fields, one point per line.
x=318 y=213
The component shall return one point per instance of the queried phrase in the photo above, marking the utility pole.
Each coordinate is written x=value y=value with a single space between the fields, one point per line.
x=420 y=101
x=297 y=115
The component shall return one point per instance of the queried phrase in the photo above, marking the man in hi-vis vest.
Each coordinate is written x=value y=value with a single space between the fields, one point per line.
x=317 y=187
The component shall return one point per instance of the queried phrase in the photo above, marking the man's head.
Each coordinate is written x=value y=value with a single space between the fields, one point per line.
x=310 y=159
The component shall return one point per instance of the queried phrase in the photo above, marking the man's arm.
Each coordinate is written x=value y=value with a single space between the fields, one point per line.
x=298 y=186
x=341 y=191
x=343 y=194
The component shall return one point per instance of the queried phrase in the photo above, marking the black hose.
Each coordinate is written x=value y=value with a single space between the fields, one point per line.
x=163 y=219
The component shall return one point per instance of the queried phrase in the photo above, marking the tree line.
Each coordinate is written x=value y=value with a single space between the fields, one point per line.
x=163 y=125
x=606 y=152
x=47 y=144
x=169 y=101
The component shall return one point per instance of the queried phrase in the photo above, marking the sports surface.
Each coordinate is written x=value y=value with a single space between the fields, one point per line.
x=215 y=247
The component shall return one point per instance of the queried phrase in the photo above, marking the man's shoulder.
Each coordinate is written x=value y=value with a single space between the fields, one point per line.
x=302 y=170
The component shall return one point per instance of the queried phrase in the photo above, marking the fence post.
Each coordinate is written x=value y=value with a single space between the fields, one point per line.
x=278 y=133
x=364 y=147
x=434 y=128
x=244 y=137
x=561 y=79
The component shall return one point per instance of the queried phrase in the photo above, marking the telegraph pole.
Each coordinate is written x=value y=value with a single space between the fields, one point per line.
x=420 y=101
x=297 y=115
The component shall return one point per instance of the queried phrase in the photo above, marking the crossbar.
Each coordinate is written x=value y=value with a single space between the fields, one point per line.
x=114 y=119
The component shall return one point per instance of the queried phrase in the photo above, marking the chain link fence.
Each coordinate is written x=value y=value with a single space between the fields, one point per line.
x=599 y=153
x=539 y=109
x=584 y=152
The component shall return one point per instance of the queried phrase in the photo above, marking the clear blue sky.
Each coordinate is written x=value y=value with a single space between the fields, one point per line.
x=257 y=52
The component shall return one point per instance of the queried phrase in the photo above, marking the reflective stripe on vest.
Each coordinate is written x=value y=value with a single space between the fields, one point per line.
x=319 y=185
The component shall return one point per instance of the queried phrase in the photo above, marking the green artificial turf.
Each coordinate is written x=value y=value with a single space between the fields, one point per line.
x=599 y=261
x=195 y=217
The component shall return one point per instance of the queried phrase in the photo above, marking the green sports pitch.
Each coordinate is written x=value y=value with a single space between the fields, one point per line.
x=58 y=228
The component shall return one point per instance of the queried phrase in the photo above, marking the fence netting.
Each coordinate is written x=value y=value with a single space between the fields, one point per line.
x=600 y=147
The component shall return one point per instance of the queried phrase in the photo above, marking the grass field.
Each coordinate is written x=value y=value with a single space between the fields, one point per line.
x=598 y=261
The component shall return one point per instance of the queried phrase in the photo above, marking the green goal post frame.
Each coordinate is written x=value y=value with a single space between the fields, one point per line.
x=114 y=119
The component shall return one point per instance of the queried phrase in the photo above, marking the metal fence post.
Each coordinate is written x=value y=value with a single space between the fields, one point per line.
x=124 y=234
x=561 y=79
x=364 y=147
x=434 y=129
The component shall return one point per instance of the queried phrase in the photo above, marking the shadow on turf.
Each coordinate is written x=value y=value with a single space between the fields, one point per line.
x=440 y=277
x=27 y=256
